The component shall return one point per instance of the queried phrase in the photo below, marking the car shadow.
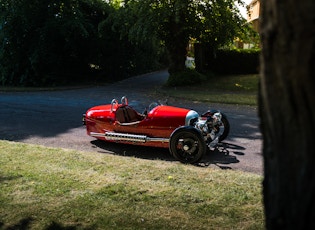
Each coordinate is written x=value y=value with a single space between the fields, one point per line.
x=142 y=152
x=219 y=156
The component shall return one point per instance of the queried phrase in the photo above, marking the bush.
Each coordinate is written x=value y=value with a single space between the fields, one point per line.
x=186 y=77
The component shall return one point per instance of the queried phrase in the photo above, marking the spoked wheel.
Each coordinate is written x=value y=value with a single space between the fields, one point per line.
x=187 y=145
x=224 y=128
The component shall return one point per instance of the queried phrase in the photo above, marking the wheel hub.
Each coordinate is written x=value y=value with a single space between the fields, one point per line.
x=188 y=145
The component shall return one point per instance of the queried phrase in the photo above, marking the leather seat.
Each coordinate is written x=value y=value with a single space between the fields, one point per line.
x=126 y=114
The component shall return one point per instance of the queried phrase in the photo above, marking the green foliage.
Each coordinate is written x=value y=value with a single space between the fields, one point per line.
x=55 y=42
x=248 y=35
x=42 y=40
x=221 y=22
x=175 y=22
x=126 y=55
x=185 y=77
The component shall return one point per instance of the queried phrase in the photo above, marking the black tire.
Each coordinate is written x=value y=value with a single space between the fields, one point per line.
x=224 y=128
x=187 y=145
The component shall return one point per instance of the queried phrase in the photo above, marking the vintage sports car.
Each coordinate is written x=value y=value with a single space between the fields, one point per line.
x=187 y=134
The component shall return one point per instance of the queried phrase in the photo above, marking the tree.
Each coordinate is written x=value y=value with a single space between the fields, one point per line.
x=40 y=40
x=287 y=111
x=175 y=22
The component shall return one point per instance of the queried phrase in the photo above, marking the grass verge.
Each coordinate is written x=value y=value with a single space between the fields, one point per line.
x=229 y=89
x=49 y=188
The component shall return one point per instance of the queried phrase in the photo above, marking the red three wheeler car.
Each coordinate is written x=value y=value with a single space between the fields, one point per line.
x=187 y=134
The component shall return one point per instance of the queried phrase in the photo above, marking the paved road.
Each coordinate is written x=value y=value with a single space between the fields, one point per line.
x=53 y=118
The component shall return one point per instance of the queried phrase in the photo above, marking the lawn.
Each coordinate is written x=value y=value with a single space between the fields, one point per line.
x=50 y=188
x=226 y=89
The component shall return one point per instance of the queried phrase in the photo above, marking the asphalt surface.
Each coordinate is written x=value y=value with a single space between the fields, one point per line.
x=53 y=118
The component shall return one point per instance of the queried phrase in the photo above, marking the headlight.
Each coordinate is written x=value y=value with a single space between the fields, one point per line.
x=191 y=115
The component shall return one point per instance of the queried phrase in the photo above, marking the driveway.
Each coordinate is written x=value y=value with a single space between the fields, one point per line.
x=53 y=118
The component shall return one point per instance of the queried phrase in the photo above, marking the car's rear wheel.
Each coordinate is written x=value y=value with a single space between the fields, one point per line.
x=187 y=145
x=224 y=128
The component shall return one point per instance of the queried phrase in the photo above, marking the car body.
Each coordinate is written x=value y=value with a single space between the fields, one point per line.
x=183 y=131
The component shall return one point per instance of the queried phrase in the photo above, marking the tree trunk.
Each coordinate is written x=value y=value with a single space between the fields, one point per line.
x=177 y=51
x=287 y=111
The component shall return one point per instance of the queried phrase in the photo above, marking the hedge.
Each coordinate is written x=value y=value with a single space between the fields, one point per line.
x=235 y=62
x=224 y=61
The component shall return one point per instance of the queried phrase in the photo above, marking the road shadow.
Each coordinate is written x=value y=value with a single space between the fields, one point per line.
x=51 y=113
x=219 y=156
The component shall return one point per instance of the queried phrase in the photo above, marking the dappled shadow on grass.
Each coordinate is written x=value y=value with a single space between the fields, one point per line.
x=219 y=156
x=56 y=226
x=26 y=223
x=4 y=178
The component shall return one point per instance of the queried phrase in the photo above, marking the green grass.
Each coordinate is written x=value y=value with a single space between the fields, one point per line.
x=49 y=188
x=230 y=89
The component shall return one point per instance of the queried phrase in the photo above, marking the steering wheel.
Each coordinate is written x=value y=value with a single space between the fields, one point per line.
x=114 y=103
x=124 y=100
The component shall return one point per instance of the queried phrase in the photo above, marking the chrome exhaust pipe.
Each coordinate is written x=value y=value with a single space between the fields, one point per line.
x=124 y=137
x=112 y=136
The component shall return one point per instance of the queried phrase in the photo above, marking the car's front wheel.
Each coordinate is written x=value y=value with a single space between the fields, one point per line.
x=187 y=145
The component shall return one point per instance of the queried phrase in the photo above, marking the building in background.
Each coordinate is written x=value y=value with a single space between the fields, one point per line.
x=253 y=9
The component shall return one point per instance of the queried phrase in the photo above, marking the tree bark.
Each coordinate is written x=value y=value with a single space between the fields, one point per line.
x=177 y=51
x=287 y=111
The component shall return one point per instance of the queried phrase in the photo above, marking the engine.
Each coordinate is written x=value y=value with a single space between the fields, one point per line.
x=208 y=127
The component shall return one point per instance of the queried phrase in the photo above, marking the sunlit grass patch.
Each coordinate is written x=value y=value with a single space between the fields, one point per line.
x=231 y=89
x=48 y=187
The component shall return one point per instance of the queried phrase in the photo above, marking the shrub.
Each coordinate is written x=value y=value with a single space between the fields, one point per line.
x=186 y=77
